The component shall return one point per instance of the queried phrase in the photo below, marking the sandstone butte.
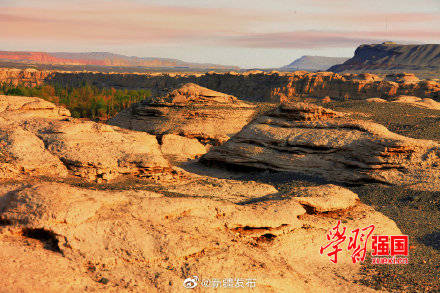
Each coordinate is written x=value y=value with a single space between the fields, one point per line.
x=56 y=235
x=253 y=85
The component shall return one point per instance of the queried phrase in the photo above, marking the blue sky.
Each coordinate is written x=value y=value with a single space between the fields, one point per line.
x=241 y=32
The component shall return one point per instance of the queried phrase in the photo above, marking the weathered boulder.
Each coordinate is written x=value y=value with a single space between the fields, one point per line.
x=426 y=103
x=325 y=198
x=376 y=100
x=331 y=146
x=17 y=108
x=22 y=152
x=180 y=148
x=191 y=111
x=99 y=151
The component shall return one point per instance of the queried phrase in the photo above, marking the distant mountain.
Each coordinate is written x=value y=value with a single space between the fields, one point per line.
x=391 y=56
x=314 y=63
x=101 y=59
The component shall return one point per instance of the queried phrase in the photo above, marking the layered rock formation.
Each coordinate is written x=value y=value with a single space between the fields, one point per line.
x=356 y=86
x=29 y=77
x=257 y=86
x=40 y=138
x=316 y=141
x=190 y=111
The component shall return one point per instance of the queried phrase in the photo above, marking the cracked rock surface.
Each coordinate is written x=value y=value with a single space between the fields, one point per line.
x=146 y=241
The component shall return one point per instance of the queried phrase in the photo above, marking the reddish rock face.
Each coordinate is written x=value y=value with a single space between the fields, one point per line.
x=46 y=58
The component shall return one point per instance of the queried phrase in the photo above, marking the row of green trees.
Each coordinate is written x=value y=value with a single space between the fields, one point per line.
x=86 y=101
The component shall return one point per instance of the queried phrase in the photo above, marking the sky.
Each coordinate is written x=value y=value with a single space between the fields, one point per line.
x=246 y=33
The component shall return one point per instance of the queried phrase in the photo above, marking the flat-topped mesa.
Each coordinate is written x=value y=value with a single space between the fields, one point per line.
x=320 y=142
x=191 y=111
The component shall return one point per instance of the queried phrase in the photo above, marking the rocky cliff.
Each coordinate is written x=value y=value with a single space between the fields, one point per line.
x=390 y=56
x=251 y=86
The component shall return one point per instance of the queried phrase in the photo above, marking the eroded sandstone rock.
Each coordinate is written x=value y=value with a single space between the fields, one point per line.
x=325 y=198
x=22 y=152
x=42 y=139
x=147 y=241
x=180 y=148
x=336 y=148
x=17 y=108
x=191 y=111
x=94 y=150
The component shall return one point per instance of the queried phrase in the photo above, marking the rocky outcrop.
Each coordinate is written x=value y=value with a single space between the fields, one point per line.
x=23 y=152
x=98 y=151
x=29 y=77
x=144 y=241
x=37 y=137
x=159 y=225
x=418 y=102
x=179 y=148
x=329 y=145
x=191 y=111
x=17 y=108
